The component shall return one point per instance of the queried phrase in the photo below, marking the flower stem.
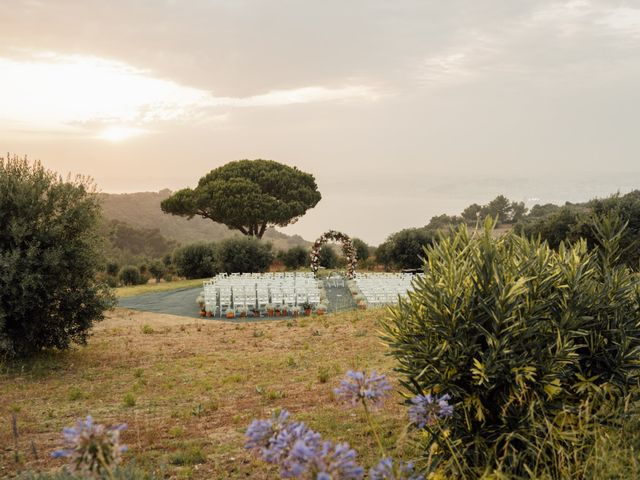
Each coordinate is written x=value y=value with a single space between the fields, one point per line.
x=373 y=428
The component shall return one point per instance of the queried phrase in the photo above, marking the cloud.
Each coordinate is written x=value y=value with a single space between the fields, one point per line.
x=300 y=96
x=624 y=20
x=552 y=42
x=457 y=65
x=89 y=95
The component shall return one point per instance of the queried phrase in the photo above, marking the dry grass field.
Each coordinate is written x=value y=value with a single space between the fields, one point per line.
x=188 y=389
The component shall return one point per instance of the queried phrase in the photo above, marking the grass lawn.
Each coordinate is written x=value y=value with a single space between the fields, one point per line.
x=188 y=389
x=157 y=287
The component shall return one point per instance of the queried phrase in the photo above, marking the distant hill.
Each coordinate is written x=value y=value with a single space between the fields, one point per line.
x=142 y=210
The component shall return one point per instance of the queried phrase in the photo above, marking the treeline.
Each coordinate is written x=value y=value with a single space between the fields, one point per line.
x=196 y=260
x=404 y=249
x=125 y=243
x=237 y=254
x=570 y=222
x=246 y=254
x=156 y=257
x=551 y=223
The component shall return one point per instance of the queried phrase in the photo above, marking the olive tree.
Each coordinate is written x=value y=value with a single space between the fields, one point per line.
x=49 y=258
x=248 y=196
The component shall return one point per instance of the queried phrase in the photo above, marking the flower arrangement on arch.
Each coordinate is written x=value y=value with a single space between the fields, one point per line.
x=347 y=247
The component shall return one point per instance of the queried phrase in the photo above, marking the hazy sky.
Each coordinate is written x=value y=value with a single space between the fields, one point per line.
x=401 y=109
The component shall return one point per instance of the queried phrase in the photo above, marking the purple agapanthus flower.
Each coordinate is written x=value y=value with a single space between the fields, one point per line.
x=386 y=470
x=92 y=449
x=358 y=387
x=274 y=439
x=324 y=460
x=300 y=452
x=260 y=432
x=428 y=409
x=279 y=450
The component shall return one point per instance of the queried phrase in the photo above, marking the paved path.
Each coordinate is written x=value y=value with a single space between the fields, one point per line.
x=175 y=302
x=339 y=298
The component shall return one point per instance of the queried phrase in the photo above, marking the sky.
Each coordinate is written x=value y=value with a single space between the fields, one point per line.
x=401 y=109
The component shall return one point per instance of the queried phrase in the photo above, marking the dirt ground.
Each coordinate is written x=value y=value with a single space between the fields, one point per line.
x=188 y=388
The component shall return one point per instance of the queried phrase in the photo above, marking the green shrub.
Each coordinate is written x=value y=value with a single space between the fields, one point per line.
x=130 y=275
x=565 y=224
x=157 y=270
x=112 y=269
x=244 y=254
x=197 y=260
x=189 y=455
x=404 y=249
x=295 y=258
x=525 y=339
x=570 y=222
x=328 y=257
x=129 y=400
x=362 y=249
x=49 y=259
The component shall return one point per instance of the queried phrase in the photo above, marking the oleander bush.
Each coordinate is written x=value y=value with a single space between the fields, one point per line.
x=538 y=348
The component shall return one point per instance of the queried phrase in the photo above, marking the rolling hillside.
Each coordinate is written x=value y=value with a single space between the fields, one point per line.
x=142 y=210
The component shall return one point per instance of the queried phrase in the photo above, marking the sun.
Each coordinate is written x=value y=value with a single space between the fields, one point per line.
x=119 y=133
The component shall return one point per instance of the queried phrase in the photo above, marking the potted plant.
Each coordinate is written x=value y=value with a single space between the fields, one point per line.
x=209 y=313
x=306 y=306
x=201 y=304
x=295 y=311
x=321 y=309
x=243 y=312
x=270 y=309
x=278 y=310
x=230 y=313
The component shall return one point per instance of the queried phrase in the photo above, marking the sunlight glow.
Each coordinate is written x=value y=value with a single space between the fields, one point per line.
x=120 y=133
x=113 y=101
x=53 y=91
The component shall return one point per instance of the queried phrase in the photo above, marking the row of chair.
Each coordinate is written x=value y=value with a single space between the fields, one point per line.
x=383 y=288
x=258 y=291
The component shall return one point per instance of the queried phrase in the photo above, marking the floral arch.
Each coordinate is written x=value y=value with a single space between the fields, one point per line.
x=347 y=248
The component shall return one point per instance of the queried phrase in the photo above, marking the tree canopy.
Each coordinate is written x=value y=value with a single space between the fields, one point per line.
x=248 y=196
